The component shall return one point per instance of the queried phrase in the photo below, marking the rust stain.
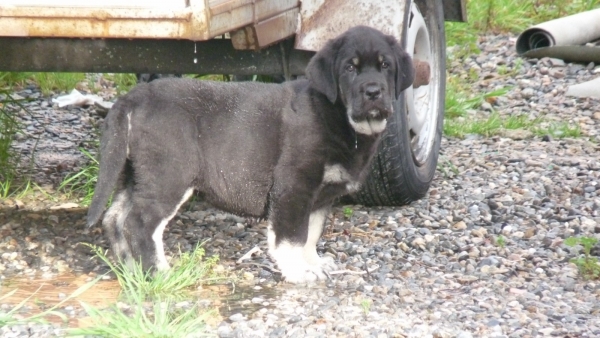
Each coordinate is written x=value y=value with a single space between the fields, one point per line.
x=332 y=17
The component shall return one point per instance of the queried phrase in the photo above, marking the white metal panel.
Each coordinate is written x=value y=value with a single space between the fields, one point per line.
x=172 y=4
x=156 y=19
x=321 y=20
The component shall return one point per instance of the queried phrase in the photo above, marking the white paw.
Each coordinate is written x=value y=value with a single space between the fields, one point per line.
x=299 y=266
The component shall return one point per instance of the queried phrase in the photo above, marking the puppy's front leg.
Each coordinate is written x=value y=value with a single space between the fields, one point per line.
x=292 y=238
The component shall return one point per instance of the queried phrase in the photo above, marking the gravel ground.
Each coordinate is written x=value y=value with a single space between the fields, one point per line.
x=430 y=269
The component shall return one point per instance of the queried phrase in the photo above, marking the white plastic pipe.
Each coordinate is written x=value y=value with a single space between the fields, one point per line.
x=575 y=29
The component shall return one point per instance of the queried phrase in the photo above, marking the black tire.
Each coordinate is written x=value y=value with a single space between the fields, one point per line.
x=401 y=173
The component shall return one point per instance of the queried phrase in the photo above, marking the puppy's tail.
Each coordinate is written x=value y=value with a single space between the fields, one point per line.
x=113 y=157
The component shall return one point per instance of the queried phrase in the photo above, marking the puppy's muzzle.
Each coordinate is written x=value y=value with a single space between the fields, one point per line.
x=374 y=101
x=372 y=91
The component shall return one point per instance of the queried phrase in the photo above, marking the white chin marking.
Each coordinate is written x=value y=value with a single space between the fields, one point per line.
x=367 y=127
x=157 y=236
x=300 y=263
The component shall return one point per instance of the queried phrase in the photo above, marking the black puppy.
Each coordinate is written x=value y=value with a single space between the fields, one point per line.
x=280 y=152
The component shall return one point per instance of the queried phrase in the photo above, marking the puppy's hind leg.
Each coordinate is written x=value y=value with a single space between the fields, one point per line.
x=114 y=221
x=146 y=222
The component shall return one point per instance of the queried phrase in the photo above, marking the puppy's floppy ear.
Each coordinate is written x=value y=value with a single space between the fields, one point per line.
x=405 y=71
x=321 y=70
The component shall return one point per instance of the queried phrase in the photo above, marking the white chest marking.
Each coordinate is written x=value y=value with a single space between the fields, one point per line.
x=337 y=174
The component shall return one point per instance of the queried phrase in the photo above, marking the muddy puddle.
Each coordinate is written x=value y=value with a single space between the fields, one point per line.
x=41 y=294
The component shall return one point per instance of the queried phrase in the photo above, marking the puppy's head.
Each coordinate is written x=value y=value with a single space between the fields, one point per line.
x=366 y=70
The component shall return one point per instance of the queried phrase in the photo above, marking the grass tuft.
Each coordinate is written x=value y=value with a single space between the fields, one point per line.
x=588 y=265
x=490 y=126
x=149 y=308
x=124 y=82
x=162 y=320
x=11 y=181
x=189 y=270
x=83 y=182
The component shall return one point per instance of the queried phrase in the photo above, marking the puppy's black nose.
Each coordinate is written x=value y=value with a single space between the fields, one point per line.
x=373 y=91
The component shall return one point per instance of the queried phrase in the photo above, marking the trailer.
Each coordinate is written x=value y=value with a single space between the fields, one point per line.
x=242 y=38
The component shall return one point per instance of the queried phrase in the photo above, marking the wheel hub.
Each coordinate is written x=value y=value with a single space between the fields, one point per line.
x=421 y=98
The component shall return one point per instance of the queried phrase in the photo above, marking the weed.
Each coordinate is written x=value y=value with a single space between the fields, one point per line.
x=60 y=82
x=9 y=158
x=447 y=168
x=122 y=81
x=500 y=241
x=188 y=271
x=559 y=130
x=82 y=183
x=12 y=79
x=163 y=320
x=459 y=102
x=588 y=266
x=163 y=289
x=348 y=212
x=365 y=305
x=489 y=126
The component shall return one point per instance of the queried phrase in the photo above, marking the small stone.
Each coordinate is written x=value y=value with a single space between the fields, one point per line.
x=481 y=232
x=418 y=242
x=530 y=232
x=238 y=317
x=556 y=62
x=69 y=205
x=459 y=225
x=527 y=93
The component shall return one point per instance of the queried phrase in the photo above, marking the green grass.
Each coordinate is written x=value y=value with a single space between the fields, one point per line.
x=365 y=305
x=348 y=212
x=47 y=82
x=189 y=270
x=10 y=180
x=148 y=304
x=447 y=168
x=150 y=300
x=500 y=241
x=458 y=103
x=82 y=183
x=507 y=16
x=162 y=320
x=122 y=81
x=587 y=264
x=497 y=16
x=558 y=130
x=490 y=126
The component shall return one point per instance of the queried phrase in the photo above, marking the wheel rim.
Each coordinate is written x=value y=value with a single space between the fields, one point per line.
x=422 y=103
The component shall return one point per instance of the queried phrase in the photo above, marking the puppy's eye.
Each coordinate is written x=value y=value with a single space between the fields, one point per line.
x=350 y=68
x=385 y=64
